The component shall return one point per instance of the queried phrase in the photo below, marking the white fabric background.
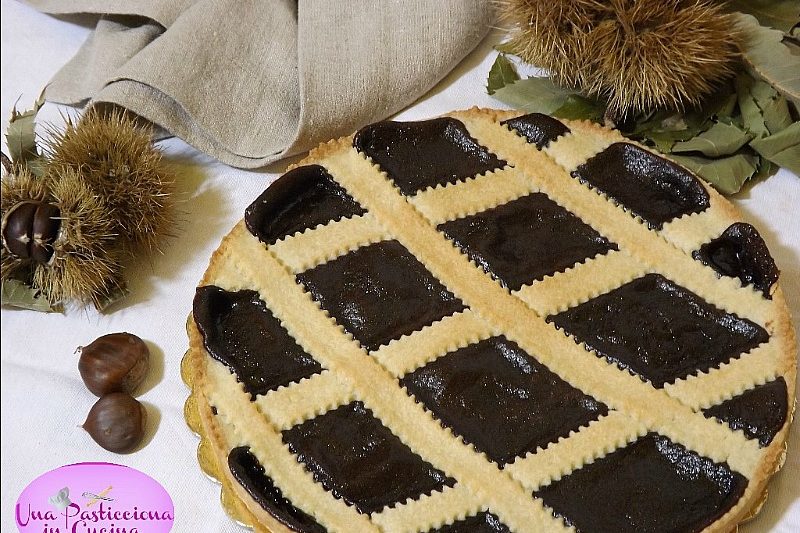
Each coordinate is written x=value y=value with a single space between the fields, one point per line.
x=43 y=398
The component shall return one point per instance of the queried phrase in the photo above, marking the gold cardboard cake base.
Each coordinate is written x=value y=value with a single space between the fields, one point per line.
x=209 y=464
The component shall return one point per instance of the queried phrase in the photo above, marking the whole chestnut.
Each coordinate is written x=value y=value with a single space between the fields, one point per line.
x=116 y=422
x=117 y=362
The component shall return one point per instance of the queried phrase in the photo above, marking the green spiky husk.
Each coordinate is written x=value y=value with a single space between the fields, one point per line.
x=638 y=55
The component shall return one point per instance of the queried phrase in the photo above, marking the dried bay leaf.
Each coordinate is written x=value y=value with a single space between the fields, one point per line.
x=501 y=74
x=577 y=107
x=727 y=175
x=768 y=57
x=779 y=14
x=533 y=95
x=776 y=115
x=719 y=140
x=21 y=133
x=15 y=293
x=782 y=148
x=752 y=117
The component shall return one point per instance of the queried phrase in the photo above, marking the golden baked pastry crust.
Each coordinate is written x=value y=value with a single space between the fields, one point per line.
x=638 y=407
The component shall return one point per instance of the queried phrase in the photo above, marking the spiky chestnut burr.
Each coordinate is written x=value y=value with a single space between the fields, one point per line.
x=114 y=154
x=638 y=54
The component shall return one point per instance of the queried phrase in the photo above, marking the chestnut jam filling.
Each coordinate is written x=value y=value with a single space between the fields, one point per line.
x=299 y=200
x=652 y=485
x=358 y=459
x=760 y=412
x=525 y=240
x=659 y=330
x=250 y=474
x=650 y=186
x=379 y=293
x=740 y=252
x=500 y=399
x=537 y=128
x=418 y=155
x=239 y=331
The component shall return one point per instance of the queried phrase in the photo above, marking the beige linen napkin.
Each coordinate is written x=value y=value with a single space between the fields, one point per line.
x=252 y=81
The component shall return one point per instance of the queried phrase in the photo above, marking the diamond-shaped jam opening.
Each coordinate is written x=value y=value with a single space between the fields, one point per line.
x=355 y=457
x=239 y=331
x=480 y=523
x=418 y=155
x=659 y=330
x=537 y=128
x=500 y=399
x=525 y=239
x=650 y=186
x=379 y=293
x=299 y=200
x=251 y=476
x=760 y=412
x=740 y=252
x=650 y=485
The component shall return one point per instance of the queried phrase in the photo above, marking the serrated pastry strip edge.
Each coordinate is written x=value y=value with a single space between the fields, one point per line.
x=597 y=439
x=329 y=344
x=630 y=234
x=417 y=349
x=266 y=444
x=445 y=507
x=581 y=282
x=306 y=250
x=473 y=195
x=584 y=370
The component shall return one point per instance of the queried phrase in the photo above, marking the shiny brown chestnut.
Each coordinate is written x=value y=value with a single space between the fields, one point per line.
x=117 y=362
x=30 y=228
x=116 y=422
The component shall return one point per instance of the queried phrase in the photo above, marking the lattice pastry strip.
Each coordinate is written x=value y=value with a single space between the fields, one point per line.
x=599 y=438
x=288 y=406
x=451 y=504
x=631 y=235
x=583 y=142
x=756 y=367
x=368 y=209
x=266 y=444
x=522 y=325
x=314 y=246
x=442 y=203
x=691 y=231
x=581 y=283
x=372 y=384
x=410 y=352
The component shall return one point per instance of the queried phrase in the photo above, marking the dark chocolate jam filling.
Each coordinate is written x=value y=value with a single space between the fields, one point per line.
x=500 y=399
x=250 y=474
x=379 y=293
x=538 y=129
x=354 y=456
x=479 y=523
x=652 y=187
x=740 y=252
x=300 y=199
x=659 y=330
x=239 y=331
x=759 y=412
x=418 y=155
x=525 y=239
x=652 y=485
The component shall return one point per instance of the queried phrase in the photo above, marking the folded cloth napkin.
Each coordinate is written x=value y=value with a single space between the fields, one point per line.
x=252 y=81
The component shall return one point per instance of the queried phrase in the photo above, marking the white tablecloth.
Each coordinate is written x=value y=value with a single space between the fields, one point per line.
x=43 y=398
